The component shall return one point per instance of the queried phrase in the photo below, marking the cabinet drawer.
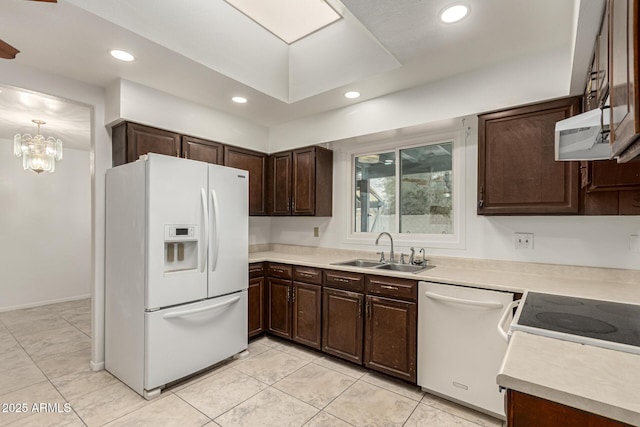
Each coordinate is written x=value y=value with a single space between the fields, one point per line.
x=307 y=275
x=344 y=280
x=279 y=270
x=392 y=287
x=256 y=270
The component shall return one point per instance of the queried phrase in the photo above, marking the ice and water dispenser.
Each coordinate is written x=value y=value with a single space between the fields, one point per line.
x=180 y=247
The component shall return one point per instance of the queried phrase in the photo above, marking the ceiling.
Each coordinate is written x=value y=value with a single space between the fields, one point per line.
x=206 y=51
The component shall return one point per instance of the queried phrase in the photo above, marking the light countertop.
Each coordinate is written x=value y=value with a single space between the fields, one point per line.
x=594 y=379
x=597 y=380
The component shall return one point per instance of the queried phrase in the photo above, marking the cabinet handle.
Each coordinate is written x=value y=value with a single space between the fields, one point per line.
x=293 y=296
x=288 y=294
x=359 y=309
x=367 y=309
x=481 y=201
x=185 y=154
x=305 y=274
x=277 y=270
x=341 y=280
x=393 y=288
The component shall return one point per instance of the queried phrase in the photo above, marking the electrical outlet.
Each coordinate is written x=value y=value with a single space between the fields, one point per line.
x=524 y=241
x=316 y=232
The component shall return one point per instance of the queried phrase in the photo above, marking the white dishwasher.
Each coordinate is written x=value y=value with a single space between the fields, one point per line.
x=459 y=348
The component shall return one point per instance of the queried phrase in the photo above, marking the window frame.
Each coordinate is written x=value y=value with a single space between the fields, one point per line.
x=456 y=240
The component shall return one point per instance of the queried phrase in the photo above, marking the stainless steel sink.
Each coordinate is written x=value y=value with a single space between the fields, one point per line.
x=408 y=268
x=366 y=263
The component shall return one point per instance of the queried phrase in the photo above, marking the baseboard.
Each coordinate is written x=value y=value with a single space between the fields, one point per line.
x=41 y=303
x=96 y=366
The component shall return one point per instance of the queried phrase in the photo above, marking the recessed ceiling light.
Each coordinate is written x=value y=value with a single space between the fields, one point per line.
x=352 y=94
x=453 y=13
x=239 y=99
x=122 y=55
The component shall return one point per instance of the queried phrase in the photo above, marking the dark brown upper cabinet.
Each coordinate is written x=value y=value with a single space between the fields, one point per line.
x=517 y=171
x=624 y=79
x=203 y=150
x=131 y=140
x=301 y=182
x=254 y=162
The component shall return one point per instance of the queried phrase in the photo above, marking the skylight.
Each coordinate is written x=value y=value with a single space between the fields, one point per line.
x=289 y=20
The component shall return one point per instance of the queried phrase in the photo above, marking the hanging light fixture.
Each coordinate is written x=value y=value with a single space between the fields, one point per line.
x=38 y=154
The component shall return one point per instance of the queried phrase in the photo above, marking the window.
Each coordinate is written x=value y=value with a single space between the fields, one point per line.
x=414 y=189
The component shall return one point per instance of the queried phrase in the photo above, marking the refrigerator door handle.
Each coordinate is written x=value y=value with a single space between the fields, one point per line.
x=205 y=237
x=184 y=313
x=213 y=255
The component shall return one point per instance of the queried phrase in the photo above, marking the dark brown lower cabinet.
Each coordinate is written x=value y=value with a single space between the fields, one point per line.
x=342 y=324
x=307 y=314
x=524 y=410
x=279 y=315
x=256 y=306
x=390 y=337
x=257 y=297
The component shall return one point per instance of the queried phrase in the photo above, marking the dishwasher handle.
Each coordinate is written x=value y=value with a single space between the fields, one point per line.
x=485 y=304
x=501 y=331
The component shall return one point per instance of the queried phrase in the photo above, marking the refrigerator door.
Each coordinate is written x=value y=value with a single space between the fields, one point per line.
x=229 y=230
x=182 y=340
x=176 y=231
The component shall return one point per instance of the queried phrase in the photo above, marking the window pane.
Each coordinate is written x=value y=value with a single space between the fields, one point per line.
x=426 y=189
x=375 y=202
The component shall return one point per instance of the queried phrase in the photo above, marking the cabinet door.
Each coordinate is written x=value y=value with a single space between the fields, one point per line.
x=342 y=324
x=256 y=306
x=203 y=150
x=144 y=139
x=279 y=307
x=304 y=182
x=131 y=140
x=307 y=314
x=524 y=410
x=280 y=184
x=517 y=171
x=390 y=337
x=623 y=72
x=254 y=162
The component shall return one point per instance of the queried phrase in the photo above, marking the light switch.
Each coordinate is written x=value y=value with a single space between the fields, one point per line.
x=634 y=243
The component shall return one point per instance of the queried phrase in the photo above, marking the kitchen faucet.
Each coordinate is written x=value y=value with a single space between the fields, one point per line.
x=391 y=255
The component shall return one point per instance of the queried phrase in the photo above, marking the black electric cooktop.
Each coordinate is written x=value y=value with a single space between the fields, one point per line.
x=601 y=323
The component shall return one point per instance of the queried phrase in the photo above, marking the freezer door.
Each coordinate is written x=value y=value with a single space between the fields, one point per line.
x=229 y=229
x=176 y=230
x=182 y=340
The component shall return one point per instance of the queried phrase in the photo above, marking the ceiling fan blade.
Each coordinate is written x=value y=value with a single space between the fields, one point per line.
x=7 y=51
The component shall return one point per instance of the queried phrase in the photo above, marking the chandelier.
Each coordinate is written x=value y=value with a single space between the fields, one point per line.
x=38 y=154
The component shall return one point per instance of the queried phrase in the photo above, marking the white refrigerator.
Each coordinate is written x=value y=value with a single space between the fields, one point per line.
x=176 y=269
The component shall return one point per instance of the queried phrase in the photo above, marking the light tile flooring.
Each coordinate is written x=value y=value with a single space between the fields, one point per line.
x=44 y=360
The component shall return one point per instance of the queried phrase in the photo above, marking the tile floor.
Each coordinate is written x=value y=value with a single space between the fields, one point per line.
x=44 y=360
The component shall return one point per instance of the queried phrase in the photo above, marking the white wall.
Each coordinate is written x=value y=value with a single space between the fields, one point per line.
x=12 y=73
x=45 y=255
x=601 y=241
x=520 y=81
x=131 y=101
